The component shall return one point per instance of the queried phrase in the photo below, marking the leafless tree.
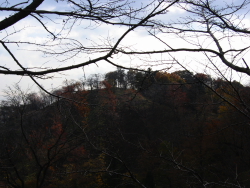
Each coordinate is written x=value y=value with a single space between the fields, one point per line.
x=57 y=41
x=211 y=28
x=60 y=43
x=215 y=29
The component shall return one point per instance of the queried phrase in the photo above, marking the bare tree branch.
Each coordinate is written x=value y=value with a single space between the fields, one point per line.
x=20 y=15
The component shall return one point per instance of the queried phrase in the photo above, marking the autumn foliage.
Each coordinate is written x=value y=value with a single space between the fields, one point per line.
x=134 y=129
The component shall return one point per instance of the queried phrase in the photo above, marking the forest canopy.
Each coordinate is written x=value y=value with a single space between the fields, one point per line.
x=128 y=129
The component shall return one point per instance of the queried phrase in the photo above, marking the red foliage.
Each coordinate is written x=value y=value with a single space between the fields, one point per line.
x=106 y=84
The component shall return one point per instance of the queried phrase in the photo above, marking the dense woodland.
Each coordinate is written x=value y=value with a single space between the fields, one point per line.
x=128 y=129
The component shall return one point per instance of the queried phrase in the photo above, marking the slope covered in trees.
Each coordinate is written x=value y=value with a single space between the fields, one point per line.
x=128 y=129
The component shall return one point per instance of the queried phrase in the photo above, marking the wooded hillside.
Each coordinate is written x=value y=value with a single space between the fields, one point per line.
x=128 y=129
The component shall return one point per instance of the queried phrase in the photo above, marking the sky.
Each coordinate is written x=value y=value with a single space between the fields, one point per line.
x=89 y=34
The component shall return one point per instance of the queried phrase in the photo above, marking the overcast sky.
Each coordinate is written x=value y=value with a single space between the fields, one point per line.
x=87 y=33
